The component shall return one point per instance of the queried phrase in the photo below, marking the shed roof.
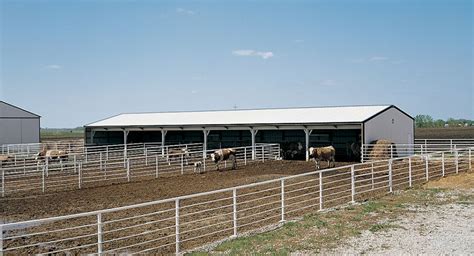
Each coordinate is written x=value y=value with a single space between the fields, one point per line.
x=10 y=111
x=307 y=115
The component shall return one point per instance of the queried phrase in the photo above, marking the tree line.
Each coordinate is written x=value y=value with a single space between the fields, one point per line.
x=426 y=121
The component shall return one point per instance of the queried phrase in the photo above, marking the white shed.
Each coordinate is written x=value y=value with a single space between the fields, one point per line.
x=18 y=125
x=295 y=129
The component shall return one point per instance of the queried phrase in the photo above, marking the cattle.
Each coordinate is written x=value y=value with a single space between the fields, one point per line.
x=177 y=153
x=322 y=153
x=52 y=154
x=5 y=159
x=223 y=155
x=197 y=166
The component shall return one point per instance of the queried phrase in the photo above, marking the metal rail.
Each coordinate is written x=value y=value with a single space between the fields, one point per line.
x=181 y=224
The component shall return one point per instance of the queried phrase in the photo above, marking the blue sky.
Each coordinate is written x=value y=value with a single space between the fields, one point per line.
x=74 y=62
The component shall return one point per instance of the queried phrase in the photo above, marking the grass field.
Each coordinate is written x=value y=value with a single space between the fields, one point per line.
x=61 y=133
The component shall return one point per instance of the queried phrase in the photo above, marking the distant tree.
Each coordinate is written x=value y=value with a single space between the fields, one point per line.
x=423 y=121
x=426 y=121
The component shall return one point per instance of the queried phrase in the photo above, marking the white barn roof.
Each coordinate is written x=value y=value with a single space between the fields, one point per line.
x=309 y=115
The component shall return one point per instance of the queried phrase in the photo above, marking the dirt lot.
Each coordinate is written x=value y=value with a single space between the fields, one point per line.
x=77 y=201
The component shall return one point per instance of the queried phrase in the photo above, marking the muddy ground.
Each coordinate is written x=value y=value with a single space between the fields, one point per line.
x=110 y=196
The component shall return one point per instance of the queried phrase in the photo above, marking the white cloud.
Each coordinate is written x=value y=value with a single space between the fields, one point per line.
x=52 y=66
x=264 y=55
x=185 y=11
x=328 y=82
x=378 y=58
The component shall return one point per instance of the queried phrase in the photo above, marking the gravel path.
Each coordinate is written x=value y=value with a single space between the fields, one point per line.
x=426 y=230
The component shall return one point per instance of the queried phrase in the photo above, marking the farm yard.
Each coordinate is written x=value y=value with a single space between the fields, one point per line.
x=266 y=194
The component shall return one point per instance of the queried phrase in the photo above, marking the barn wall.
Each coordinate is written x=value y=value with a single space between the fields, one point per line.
x=391 y=124
x=19 y=130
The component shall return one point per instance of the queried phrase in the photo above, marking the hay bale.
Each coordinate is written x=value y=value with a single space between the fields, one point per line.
x=380 y=149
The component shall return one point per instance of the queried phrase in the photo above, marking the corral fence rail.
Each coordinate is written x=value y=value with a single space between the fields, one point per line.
x=184 y=223
x=420 y=147
x=77 y=171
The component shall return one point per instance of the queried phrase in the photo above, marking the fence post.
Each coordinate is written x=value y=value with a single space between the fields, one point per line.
x=245 y=155
x=79 y=176
x=442 y=164
x=426 y=167
x=409 y=173
x=99 y=233
x=100 y=160
x=234 y=204
x=352 y=184
x=107 y=152
x=128 y=169
x=146 y=157
x=3 y=194
x=1 y=240
x=47 y=167
x=372 y=171
x=390 y=175
x=42 y=181
x=391 y=150
x=320 y=191
x=456 y=156
x=451 y=145
x=263 y=153
x=156 y=165
x=282 y=182
x=75 y=167
x=177 y=225
x=85 y=153
x=470 y=164
x=182 y=164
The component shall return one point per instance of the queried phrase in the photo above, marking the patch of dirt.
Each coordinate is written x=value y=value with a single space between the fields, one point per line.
x=464 y=181
x=116 y=195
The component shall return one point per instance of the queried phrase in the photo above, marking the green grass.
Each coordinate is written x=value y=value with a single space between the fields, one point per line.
x=62 y=133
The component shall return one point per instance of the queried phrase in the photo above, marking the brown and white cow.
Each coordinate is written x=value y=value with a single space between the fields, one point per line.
x=323 y=153
x=52 y=154
x=223 y=155
x=175 y=154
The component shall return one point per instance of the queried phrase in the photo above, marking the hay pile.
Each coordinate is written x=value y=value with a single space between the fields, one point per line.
x=380 y=149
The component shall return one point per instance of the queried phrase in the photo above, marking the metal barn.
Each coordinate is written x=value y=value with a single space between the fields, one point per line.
x=296 y=129
x=18 y=125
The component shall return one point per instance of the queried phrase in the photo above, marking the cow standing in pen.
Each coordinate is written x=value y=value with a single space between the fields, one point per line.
x=52 y=154
x=323 y=153
x=223 y=155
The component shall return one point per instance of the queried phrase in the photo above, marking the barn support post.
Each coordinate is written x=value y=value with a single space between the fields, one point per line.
x=390 y=175
x=282 y=200
x=92 y=138
x=163 y=142
x=307 y=132
x=409 y=173
x=125 y=135
x=352 y=184
x=204 y=145
x=234 y=210
x=253 y=132
x=442 y=164
x=99 y=233
x=177 y=226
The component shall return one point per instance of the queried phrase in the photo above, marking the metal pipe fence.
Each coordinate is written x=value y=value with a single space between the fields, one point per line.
x=102 y=169
x=184 y=223
x=370 y=152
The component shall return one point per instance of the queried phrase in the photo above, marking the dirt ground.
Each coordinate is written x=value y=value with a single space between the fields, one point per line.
x=68 y=202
